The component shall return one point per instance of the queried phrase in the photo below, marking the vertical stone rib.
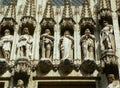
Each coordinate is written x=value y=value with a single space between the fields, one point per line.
x=86 y=10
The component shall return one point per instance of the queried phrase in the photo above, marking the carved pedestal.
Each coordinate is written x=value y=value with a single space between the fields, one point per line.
x=22 y=65
x=3 y=66
x=88 y=67
x=21 y=70
x=44 y=65
x=66 y=66
x=109 y=63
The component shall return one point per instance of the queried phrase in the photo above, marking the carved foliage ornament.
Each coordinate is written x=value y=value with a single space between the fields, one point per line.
x=22 y=66
x=47 y=23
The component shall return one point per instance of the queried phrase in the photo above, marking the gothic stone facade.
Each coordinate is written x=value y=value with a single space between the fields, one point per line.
x=56 y=46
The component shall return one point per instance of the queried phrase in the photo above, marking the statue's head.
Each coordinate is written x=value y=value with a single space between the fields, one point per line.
x=87 y=31
x=25 y=30
x=105 y=23
x=111 y=78
x=67 y=32
x=7 y=32
x=47 y=31
x=20 y=83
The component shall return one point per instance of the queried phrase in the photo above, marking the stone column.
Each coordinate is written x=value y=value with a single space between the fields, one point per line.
x=14 y=45
x=36 y=39
x=77 y=48
x=116 y=31
x=56 y=52
x=36 y=43
x=6 y=84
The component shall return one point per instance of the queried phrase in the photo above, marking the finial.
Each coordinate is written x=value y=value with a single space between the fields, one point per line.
x=86 y=12
x=48 y=12
x=11 y=10
x=67 y=11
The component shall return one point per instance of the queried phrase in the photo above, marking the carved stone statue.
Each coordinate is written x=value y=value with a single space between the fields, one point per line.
x=46 y=44
x=112 y=82
x=25 y=44
x=66 y=45
x=20 y=84
x=88 y=45
x=6 y=43
x=107 y=37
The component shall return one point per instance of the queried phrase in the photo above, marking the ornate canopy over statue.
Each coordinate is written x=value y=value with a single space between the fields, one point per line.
x=105 y=12
x=67 y=22
x=86 y=20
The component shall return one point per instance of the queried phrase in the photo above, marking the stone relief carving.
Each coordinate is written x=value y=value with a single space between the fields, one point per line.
x=24 y=46
x=107 y=37
x=112 y=82
x=6 y=44
x=47 y=44
x=20 y=84
x=88 y=45
x=66 y=45
x=22 y=66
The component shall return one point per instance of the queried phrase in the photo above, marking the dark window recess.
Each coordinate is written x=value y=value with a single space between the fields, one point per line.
x=1 y=84
x=66 y=85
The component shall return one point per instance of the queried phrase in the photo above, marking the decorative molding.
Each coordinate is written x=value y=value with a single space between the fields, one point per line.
x=22 y=65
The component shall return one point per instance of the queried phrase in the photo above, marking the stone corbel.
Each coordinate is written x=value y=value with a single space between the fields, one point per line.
x=22 y=66
x=109 y=63
x=66 y=66
x=44 y=66
x=88 y=67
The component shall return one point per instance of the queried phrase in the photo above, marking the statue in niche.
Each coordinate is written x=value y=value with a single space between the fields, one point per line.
x=88 y=44
x=25 y=44
x=20 y=84
x=6 y=43
x=112 y=83
x=107 y=37
x=47 y=44
x=66 y=45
